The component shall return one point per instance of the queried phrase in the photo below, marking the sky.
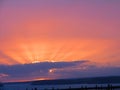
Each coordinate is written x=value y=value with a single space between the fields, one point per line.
x=54 y=39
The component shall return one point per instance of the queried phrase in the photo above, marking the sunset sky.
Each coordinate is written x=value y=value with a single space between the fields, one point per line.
x=53 y=39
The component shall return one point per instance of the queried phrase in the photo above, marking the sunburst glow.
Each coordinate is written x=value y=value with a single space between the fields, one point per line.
x=49 y=51
x=50 y=36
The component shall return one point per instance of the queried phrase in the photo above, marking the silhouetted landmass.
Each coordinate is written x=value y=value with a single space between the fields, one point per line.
x=95 y=80
x=1 y=84
x=11 y=83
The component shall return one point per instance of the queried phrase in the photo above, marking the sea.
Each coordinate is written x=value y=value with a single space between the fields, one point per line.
x=28 y=86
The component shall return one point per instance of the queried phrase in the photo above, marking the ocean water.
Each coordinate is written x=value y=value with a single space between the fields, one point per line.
x=43 y=87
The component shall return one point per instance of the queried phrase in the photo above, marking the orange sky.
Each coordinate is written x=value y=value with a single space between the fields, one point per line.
x=52 y=39
x=60 y=31
x=97 y=50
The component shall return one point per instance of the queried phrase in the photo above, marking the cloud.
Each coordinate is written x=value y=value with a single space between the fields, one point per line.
x=90 y=71
x=3 y=75
x=73 y=69
x=35 y=69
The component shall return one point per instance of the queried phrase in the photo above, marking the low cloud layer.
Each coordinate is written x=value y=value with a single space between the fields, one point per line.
x=54 y=70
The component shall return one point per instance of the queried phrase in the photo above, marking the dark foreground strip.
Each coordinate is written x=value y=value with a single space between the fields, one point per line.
x=91 y=88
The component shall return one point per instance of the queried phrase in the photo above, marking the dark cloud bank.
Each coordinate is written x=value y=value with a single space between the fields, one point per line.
x=59 y=70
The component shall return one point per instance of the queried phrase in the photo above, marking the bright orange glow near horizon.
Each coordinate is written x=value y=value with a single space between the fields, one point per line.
x=46 y=33
x=63 y=50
